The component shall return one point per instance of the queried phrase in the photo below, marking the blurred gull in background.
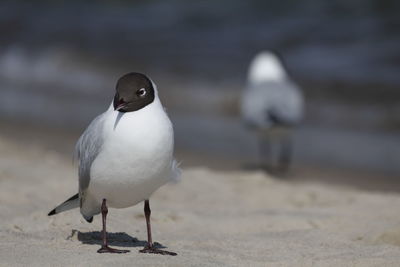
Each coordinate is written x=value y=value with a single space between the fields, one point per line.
x=272 y=105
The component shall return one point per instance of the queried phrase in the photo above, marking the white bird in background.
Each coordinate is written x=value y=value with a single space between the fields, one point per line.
x=125 y=155
x=272 y=105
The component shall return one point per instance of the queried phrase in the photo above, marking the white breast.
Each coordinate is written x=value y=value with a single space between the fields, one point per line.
x=136 y=157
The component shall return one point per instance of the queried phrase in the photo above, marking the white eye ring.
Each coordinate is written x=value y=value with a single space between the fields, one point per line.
x=141 y=92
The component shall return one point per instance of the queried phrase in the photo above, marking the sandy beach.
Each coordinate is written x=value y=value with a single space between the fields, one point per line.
x=210 y=218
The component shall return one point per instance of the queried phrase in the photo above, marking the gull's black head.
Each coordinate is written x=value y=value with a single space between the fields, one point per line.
x=134 y=91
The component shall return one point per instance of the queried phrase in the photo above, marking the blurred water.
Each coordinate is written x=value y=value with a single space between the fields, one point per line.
x=355 y=41
x=59 y=63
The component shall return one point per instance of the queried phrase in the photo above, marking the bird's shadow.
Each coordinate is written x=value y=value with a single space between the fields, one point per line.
x=114 y=239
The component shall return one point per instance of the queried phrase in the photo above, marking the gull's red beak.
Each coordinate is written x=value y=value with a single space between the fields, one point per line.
x=121 y=104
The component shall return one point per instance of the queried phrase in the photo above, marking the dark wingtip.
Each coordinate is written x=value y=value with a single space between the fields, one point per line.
x=89 y=220
x=52 y=212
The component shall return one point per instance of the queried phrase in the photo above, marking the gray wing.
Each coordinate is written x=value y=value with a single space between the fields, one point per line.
x=287 y=107
x=87 y=148
x=271 y=103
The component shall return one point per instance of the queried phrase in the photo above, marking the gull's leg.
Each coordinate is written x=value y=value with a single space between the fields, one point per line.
x=285 y=153
x=150 y=247
x=104 y=247
x=265 y=149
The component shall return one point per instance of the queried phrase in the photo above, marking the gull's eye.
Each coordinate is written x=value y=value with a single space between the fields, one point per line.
x=141 y=92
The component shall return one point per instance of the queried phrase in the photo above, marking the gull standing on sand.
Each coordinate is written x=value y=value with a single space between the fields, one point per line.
x=125 y=155
x=272 y=104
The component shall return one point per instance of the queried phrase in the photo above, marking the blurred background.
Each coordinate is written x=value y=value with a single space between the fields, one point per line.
x=59 y=62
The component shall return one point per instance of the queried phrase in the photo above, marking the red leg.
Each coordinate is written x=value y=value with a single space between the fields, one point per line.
x=104 y=247
x=150 y=247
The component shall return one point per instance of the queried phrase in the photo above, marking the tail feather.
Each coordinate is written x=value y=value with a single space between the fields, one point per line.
x=71 y=203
